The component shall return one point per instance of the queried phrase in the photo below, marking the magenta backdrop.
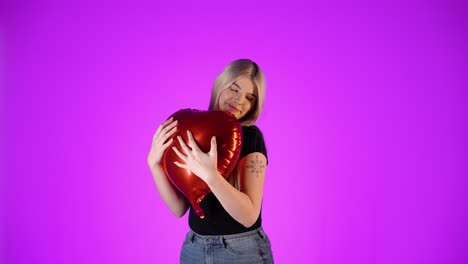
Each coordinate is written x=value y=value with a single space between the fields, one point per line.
x=365 y=124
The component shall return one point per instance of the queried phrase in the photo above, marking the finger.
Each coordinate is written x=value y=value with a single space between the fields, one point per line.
x=191 y=141
x=183 y=166
x=168 y=120
x=168 y=134
x=164 y=128
x=213 y=149
x=181 y=156
x=167 y=144
x=168 y=127
x=162 y=125
x=183 y=145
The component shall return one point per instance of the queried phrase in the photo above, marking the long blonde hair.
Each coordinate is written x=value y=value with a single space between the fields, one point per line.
x=242 y=68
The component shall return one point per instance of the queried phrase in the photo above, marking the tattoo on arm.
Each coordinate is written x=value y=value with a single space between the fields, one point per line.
x=256 y=166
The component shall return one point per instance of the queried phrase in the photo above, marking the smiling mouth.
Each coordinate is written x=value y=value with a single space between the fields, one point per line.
x=233 y=108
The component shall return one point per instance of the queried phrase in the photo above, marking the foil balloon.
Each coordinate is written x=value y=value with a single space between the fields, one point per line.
x=203 y=125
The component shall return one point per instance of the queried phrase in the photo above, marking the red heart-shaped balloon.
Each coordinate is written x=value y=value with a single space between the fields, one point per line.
x=203 y=125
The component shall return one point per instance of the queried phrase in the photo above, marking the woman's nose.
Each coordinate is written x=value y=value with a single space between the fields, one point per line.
x=239 y=99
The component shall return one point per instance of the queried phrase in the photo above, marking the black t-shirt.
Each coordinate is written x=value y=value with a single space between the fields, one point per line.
x=217 y=221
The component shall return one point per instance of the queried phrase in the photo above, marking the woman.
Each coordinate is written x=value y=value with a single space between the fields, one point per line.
x=231 y=230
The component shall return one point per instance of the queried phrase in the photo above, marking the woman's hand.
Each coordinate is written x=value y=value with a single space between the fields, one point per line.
x=161 y=142
x=204 y=165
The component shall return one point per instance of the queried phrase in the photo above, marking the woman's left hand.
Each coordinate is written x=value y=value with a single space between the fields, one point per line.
x=202 y=164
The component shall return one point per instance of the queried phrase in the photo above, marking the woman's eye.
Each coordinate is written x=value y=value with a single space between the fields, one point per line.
x=234 y=90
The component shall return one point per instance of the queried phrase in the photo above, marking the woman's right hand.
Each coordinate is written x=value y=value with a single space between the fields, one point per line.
x=161 y=142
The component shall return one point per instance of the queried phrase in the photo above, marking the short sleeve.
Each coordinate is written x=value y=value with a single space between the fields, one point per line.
x=252 y=141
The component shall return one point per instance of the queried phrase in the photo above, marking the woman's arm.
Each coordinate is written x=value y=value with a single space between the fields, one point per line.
x=174 y=200
x=168 y=192
x=243 y=205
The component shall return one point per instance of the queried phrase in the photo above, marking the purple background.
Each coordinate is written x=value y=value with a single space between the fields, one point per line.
x=364 y=120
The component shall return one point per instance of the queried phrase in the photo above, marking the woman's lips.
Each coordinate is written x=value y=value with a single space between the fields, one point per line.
x=233 y=108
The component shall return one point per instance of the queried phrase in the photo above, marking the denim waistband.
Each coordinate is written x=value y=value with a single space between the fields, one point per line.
x=219 y=239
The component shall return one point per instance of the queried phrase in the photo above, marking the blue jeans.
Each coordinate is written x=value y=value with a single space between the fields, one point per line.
x=249 y=247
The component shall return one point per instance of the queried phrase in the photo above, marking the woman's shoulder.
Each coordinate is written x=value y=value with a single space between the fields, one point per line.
x=252 y=130
x=252 y=141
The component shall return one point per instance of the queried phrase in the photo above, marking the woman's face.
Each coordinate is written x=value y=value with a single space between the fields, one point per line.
x=239 y=98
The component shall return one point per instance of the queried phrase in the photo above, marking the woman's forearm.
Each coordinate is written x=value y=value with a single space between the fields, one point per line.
x=235 y=202
x=168 y=192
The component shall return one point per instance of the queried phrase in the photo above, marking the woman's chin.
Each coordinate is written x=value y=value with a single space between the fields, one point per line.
x=234 y=113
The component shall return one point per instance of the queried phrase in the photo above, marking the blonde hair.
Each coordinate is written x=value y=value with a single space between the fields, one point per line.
x=242 y=68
